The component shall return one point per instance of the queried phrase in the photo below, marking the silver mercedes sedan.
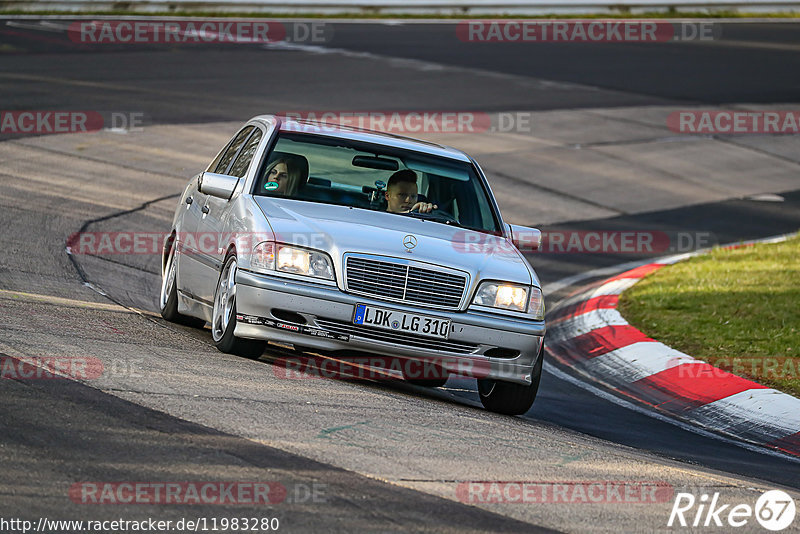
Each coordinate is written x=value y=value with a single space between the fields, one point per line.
x=346 y=241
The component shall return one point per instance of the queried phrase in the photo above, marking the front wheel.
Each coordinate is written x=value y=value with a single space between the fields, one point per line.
x=223 y=321
x=508 y=398
x=168 y=298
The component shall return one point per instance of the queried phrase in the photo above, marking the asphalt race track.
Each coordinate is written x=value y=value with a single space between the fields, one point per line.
x=383 y=456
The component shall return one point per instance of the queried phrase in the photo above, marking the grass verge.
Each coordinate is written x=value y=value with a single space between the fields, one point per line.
x=738 y=310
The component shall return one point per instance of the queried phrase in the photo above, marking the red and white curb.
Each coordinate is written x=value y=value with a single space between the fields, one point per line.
x=587 y=334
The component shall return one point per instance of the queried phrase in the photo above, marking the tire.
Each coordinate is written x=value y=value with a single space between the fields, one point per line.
x=168 y=297
x=508 y=398
x=223 y=318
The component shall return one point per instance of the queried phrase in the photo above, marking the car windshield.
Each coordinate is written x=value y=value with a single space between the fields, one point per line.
x=338 y=171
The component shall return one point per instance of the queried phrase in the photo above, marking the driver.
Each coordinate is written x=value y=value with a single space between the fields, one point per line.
x=401 y=194
x=282 y=177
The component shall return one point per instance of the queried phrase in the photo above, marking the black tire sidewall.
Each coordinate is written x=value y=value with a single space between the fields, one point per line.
x=170 y=309
x=514 y=399
x=228 y=343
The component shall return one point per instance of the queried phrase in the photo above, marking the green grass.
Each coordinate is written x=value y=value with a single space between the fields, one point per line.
x=373 y=14
x=738 y=310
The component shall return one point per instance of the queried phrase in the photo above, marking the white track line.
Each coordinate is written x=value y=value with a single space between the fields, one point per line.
x=558 y=373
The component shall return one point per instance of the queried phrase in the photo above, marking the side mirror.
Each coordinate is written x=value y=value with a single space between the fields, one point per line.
x=217 y=185
x=524 y=238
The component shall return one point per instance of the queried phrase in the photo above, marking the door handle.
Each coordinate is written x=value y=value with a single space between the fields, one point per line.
x=204 y=209
x=189 y=200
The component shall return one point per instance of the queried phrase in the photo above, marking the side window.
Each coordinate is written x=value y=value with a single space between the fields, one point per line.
x=230 y=152
x=246 y=155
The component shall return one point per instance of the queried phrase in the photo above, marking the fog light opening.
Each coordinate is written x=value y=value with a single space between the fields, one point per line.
x=501 y=352
x=288 y=316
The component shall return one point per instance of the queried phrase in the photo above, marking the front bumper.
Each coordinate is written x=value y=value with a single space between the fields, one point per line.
x=328 y=315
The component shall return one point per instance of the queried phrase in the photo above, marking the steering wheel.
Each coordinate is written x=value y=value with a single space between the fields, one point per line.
x=435 y=214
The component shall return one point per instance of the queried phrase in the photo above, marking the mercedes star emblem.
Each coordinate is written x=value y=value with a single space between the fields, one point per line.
x=409 y=242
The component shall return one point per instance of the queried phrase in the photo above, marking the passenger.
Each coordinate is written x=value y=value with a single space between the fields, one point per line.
x=282 y=177
x=401 y=194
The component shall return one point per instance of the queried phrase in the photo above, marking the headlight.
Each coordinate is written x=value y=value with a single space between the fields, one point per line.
x=500 y=295
x=295 y=261
x=512 y=297
x=269 y=256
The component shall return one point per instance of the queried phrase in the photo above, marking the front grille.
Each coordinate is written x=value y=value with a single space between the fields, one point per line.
x=398 y=338
x=404 y=282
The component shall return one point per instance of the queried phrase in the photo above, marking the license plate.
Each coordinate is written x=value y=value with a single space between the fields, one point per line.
x=397 y=321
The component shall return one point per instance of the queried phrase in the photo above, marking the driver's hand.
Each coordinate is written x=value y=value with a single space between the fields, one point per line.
x=423 y=207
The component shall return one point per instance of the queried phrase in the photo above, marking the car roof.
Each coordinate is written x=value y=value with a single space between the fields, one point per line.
x=364 y=135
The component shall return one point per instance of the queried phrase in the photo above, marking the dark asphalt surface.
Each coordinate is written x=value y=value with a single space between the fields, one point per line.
x=732 y=69
x=41 y=69
x=91 y=436
x=756 y=62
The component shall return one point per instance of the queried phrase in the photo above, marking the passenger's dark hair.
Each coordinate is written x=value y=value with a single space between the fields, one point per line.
x=405 y=176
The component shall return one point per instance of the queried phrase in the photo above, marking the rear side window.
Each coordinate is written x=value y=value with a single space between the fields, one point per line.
x=230 y=152
x=242 y=162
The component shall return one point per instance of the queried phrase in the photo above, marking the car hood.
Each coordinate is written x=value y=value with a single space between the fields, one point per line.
x=340 y=229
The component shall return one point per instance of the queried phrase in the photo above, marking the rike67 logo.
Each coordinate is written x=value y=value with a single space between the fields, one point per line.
x=774 y=510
